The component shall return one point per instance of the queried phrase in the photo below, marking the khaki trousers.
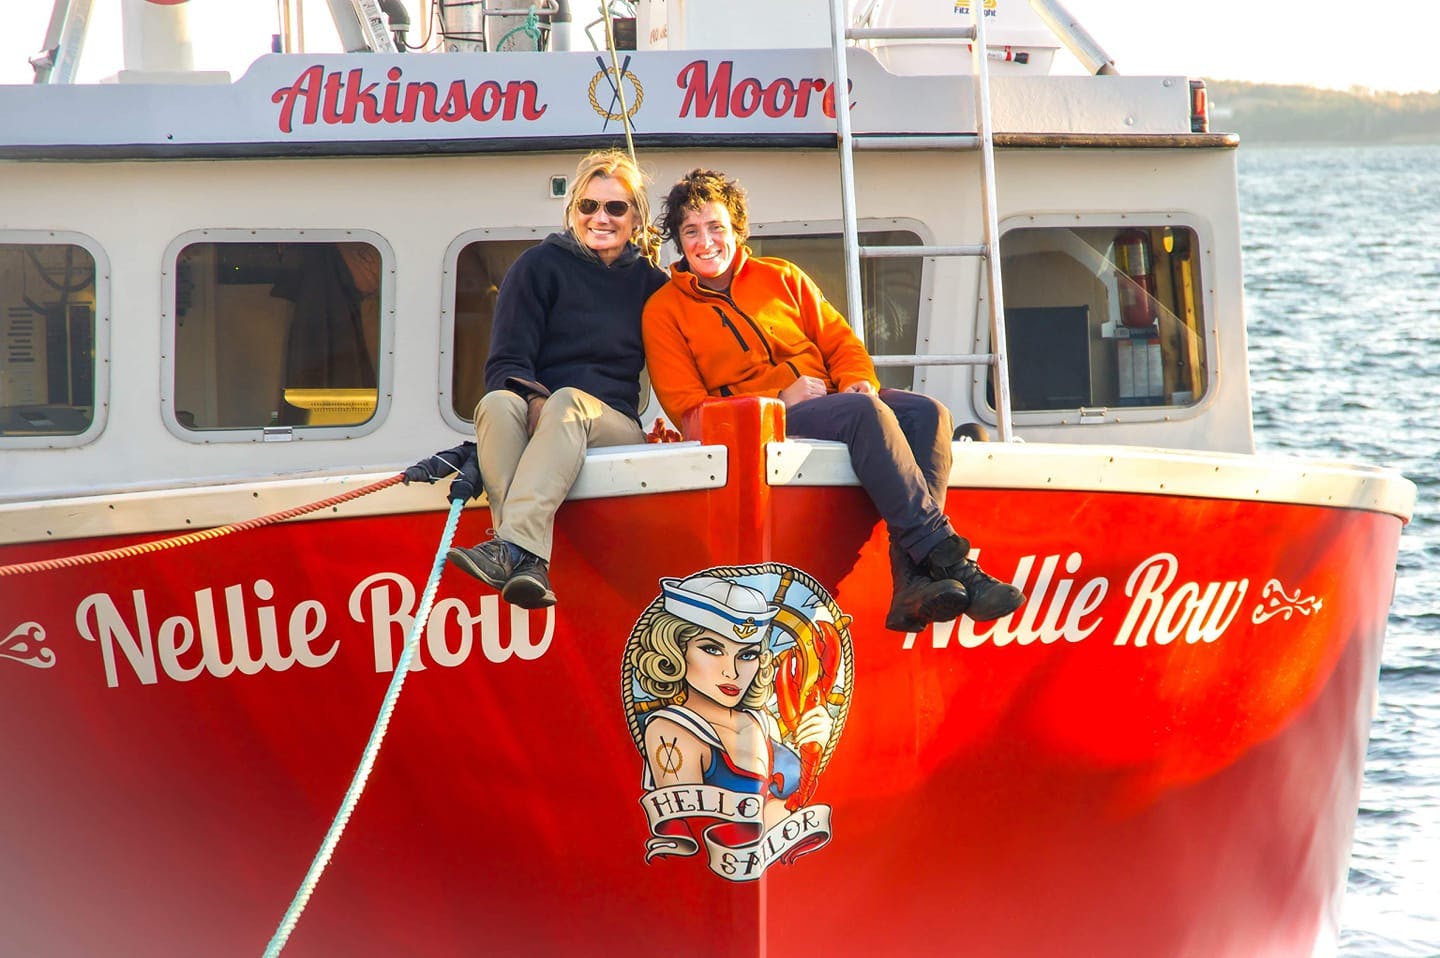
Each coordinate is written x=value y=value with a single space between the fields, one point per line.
x=527 y=477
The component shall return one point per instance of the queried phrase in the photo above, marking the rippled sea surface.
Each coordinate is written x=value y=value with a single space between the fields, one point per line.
x=1342 y=262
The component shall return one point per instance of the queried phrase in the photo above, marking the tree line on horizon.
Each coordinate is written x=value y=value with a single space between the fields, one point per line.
x=1267 y=112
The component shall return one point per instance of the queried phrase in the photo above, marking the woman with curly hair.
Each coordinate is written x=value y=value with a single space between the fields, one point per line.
x=732 y=324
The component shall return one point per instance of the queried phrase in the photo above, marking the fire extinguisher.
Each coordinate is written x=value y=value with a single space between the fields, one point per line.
x=1135 y=273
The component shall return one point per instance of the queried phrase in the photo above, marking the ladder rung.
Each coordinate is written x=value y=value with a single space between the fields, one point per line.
x=982 y=140
x=940 y=141
x=910 y=33
x=895 y=252
x=962 y=359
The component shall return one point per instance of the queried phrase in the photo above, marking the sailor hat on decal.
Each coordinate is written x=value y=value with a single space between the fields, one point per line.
x=724 y=607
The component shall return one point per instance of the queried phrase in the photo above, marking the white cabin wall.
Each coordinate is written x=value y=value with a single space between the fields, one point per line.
x=1194 y=185
x=136 y=210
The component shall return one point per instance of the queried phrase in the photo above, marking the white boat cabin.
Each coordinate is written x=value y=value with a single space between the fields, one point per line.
x=293 y=274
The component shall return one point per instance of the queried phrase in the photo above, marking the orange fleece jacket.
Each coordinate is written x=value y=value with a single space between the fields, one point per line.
x=770 y=328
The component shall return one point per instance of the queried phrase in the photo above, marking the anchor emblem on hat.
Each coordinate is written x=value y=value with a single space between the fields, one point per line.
x=720 y=605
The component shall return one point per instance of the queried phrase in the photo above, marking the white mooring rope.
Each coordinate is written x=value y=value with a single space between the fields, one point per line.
x=372 y=747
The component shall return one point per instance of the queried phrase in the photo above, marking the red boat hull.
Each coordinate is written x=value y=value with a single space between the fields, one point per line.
x=1141 y=761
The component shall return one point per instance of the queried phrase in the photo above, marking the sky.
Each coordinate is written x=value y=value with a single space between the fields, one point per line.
x=1265 y=41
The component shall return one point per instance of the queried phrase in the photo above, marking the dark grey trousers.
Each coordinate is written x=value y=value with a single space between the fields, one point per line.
x=899 y=446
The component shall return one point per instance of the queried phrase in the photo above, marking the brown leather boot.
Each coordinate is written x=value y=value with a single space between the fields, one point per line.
x=918 y=599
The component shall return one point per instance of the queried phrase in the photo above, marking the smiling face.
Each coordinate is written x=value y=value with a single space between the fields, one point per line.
x=603 y=233
x=708 y=240
x=721 y=669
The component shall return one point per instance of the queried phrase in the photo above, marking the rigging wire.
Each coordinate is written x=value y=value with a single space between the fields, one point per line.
x=648 y=240
x=619 y=82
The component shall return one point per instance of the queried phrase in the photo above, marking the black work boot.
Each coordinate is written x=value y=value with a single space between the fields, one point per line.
x=989 y=597
x=919 y=600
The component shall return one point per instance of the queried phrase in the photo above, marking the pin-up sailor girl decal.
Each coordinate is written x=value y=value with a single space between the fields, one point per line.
x=737 y=681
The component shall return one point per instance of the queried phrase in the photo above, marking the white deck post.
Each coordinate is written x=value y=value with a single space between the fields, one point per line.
x=157 y=36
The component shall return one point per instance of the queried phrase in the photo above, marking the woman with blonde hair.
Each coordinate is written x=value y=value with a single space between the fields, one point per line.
x=704 y=660
x=564 y=370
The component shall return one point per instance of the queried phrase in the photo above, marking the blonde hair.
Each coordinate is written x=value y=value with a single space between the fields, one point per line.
x=658 y=658
x=616 y=164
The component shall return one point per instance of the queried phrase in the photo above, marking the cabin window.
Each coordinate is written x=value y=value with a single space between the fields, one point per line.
x=889 y=287
x=479 y=268
x=276 y=334
x=48 y=326
x=892 y=288
x=1100 y=317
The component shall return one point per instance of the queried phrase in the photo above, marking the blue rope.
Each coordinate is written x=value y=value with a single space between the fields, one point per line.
x=372 y=748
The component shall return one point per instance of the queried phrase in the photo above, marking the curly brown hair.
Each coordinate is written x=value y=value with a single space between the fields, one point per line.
x=694 y=190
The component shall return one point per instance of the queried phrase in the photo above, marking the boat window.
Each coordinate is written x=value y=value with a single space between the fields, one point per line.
x=281 y=333
x=1106 y=316
x=891 y=288
x=47 y=321
x=479 y=268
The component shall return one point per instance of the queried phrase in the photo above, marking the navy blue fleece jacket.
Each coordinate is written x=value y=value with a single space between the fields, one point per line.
x=563 y=318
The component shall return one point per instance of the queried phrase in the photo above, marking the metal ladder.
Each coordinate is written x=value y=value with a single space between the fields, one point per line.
x=983 y=141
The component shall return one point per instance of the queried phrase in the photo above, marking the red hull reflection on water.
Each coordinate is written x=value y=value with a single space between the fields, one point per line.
x=1159 y=754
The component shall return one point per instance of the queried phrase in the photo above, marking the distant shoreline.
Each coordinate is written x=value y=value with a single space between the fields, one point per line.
x=1272 y=113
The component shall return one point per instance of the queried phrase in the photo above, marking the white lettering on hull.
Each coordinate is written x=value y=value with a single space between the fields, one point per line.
x=1199 y=613
x=170 y=649
x=387 y=601
x=1065 y=607
x=213 y=637
x=216 y=640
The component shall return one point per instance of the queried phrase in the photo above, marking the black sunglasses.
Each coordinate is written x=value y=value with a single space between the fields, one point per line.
x=616 y=208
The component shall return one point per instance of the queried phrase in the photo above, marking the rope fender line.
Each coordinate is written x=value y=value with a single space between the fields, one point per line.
x=191 y=538
x=372 y=747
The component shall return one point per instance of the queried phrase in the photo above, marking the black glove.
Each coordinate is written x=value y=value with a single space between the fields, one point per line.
x=461 y=462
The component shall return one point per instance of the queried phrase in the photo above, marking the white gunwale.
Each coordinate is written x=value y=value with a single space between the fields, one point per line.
x=647 y=470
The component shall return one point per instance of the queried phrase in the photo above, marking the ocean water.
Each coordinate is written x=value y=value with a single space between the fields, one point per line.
x=1342 y=262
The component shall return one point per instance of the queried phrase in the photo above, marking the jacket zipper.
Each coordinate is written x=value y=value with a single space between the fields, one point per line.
x=764 y=341
x=744 y=346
